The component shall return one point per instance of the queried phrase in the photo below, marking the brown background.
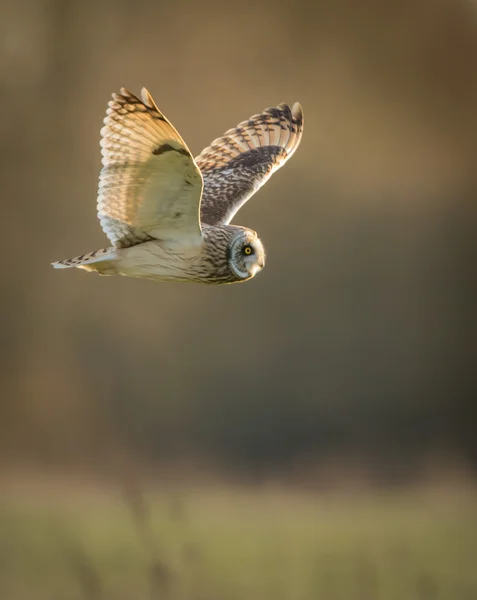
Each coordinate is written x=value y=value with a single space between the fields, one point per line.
x=357 y=339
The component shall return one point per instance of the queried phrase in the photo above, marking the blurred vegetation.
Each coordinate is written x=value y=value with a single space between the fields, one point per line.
x=223 y=542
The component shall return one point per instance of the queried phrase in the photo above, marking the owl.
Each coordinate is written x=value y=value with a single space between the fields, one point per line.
x=166 y=214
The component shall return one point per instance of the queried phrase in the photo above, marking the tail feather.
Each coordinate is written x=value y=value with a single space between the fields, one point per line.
x=99 y=260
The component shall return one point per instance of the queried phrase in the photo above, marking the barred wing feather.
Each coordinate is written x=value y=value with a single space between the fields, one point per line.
x=150 y=186
x=237 y=164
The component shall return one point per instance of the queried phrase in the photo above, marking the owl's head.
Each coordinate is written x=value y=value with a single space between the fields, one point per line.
x=246 y=254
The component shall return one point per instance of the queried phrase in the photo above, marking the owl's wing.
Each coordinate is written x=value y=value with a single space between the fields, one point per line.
x=150 y=186
x=236 y=165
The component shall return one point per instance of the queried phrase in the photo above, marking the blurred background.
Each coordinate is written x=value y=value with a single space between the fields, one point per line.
x=261 y=440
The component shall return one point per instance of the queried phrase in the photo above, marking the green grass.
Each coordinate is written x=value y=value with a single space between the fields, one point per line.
x=230 y=544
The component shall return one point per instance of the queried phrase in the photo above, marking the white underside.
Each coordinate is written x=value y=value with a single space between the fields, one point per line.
x=152 y=260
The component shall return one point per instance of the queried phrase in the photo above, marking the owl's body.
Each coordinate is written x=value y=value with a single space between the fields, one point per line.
x=166 y=214
x=172 y=261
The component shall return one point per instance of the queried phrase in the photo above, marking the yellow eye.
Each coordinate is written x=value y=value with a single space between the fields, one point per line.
x=247 y=250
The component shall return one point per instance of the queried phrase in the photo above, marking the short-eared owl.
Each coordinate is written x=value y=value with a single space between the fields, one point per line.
x=166 y=214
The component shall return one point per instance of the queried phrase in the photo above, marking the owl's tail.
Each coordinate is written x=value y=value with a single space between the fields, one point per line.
x=101 y=261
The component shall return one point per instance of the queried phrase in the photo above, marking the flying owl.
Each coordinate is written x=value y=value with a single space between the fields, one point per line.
x=167 y=215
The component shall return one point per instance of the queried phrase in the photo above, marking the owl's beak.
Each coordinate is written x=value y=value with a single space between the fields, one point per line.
x=256 y=268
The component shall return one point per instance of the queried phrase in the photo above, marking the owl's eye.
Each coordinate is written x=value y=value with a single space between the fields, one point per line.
x=247 y=250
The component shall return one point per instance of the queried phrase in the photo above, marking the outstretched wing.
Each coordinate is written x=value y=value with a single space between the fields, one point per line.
x=150 y=186
x=236 y=165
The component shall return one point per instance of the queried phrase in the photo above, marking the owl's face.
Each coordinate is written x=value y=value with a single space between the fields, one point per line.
x=246 y=254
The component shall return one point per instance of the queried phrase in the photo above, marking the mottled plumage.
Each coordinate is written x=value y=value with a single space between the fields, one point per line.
x=166 y=214
x=237 y=164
